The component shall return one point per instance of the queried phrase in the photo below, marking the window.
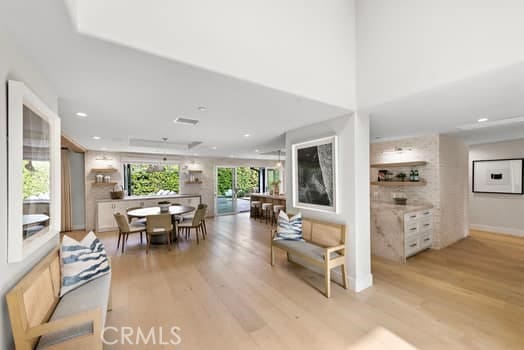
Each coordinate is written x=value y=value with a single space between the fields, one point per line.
x=151 y=179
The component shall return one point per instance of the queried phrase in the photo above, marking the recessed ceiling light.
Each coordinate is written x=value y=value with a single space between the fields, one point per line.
x=482 y=120
x=257 y=150
x=81 y=114
x=202 y=108
x=214 y=147
x=247 y=135
x=96 y=137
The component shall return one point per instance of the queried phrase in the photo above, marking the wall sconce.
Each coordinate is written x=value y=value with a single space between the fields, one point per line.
x=397 y=150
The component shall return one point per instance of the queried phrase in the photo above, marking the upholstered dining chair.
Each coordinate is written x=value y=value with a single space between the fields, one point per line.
x=125 y=228
x=195 y=223
x=134 y=219
x=160 y=224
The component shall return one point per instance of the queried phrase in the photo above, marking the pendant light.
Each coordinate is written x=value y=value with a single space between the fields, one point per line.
x=279 y=163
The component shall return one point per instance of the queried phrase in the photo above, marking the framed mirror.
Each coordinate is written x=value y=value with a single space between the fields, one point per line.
x=33 y=172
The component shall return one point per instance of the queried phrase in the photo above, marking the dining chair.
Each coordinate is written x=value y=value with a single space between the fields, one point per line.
x=125 y=228
x=130 y=219
x=196 y=223
x=160 y=224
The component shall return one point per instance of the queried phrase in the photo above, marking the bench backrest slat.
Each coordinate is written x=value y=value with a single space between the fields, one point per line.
x=32 y=301
x=323 y=233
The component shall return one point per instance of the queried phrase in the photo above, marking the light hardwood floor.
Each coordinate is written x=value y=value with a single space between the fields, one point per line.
x=223 y=294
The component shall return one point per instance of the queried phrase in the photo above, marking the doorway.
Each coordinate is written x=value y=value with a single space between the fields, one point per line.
x=233 y=187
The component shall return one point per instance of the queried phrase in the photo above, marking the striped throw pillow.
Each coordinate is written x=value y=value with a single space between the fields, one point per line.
x=289 y=228
x=82 y=261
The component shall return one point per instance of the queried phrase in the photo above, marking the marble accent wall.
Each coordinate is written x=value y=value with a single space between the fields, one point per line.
x=446 y=174
x=454 y=190
x=206 y=189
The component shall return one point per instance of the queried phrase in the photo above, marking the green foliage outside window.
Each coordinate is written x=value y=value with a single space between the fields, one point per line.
x=144 y=182
x=37 y=181
x=247 y=179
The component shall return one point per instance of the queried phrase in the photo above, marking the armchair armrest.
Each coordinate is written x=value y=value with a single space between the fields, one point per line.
x=273 y=233
x=93 y=316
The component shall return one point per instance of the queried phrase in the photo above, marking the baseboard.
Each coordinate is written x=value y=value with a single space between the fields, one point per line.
x=498 y=229
x=358 y=285
x=78 y=227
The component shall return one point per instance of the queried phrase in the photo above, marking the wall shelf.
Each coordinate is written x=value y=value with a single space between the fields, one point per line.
x=104 y=183
x=399 y=165
x=399 y=183
x=103 y=170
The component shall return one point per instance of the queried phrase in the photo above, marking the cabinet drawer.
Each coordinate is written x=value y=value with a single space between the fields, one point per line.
x=410 y=217
x=425 y=240
x=412 y=245
x=411 y=229
x=425 y=213
x=426 y=224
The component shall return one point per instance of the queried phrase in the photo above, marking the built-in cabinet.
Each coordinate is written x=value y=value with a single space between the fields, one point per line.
x=418 y=231
x=105 y=220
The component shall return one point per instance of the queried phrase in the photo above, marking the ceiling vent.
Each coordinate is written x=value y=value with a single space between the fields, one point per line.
x=273 y=153
x=186 y=121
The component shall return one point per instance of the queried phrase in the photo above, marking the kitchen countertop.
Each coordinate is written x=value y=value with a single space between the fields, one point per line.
x=269 y=196
x=137 y=198
x=398 y=208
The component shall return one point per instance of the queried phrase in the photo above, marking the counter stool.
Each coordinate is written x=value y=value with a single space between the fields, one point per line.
x=267 y=209
x=276 y=212
x=255 y=209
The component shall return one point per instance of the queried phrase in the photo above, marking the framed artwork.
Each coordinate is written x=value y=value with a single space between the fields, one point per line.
x=33 y=172
x=498 y=176
x=314 y=165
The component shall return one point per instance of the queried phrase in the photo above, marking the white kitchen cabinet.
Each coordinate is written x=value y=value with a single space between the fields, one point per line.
x=105 y=220
x=418 y=232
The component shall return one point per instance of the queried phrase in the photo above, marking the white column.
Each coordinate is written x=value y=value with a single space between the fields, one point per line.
x=359 y=237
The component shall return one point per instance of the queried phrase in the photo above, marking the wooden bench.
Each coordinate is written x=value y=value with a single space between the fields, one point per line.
x=324 y=247
x=74 y=321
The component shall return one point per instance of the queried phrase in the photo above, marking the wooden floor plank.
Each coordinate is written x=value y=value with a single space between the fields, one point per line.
x=223 y=294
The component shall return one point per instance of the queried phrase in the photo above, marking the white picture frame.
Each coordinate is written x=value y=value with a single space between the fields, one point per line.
x=499 y=176
x=19 y=95
x=315 y=186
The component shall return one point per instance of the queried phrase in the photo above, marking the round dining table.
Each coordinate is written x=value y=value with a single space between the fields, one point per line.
x=174 y=210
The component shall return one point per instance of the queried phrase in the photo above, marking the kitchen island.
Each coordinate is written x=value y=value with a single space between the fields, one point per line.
x=400 y=231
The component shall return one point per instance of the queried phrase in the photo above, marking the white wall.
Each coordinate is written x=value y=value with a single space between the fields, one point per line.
x=408 y=46
x=305 y=47
x=206 y=164
x=353 y=188
x=496 y=212
x=13 y=65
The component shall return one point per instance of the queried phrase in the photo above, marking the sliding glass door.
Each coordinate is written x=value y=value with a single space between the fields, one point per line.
x=233 y=187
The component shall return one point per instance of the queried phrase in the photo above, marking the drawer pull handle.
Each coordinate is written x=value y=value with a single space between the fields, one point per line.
x=413 y=216
x=413 y=229
x=426 y=225
x=413 y=245
x=426 y=213
x=427 y=239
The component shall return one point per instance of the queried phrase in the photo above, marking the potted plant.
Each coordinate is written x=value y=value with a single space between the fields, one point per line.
x=164 y=206
x=275 y=186
x=401 y=176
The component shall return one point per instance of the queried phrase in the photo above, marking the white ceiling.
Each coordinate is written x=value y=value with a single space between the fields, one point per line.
x=304 y=47
x=495 y=95
x=131 y=94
